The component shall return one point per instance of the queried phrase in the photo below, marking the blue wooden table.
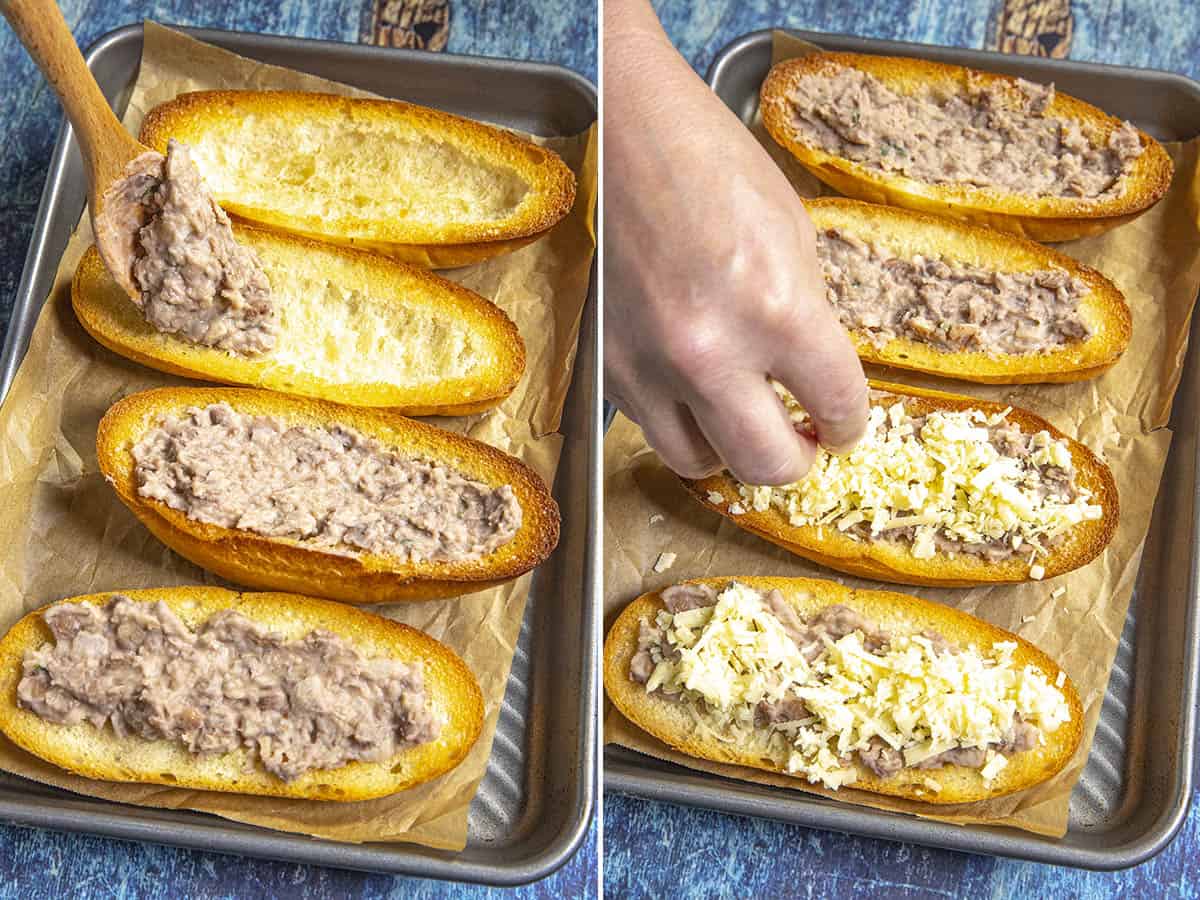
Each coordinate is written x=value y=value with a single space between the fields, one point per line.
x=655 y=849
x=37 y=864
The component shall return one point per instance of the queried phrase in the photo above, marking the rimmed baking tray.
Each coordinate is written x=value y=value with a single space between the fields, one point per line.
x=1137 y=784
x=539 y=795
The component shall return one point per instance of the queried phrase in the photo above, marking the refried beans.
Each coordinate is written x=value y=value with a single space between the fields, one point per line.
x=192 y=277
x=810 y=636
x=325 y=486
x=991 y=137
x=950 y=305
x=300 y=705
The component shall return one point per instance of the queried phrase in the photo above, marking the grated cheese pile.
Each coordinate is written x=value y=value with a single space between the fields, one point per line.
x=735 y=654
x=948 y=479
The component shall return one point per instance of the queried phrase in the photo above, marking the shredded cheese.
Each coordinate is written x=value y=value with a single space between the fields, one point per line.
x=993 y=764
x=664 y=561
x=915 y=699
x=946 y=480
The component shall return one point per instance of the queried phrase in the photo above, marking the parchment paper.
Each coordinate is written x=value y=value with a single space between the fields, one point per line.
x=65 y=532
x=1155 y=261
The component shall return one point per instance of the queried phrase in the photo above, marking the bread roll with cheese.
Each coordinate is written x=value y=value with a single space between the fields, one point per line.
x=932 y=294
x=843 y=688
x=943 y=490
x=353 y=504
x=414 y=183
x=353 y=327
x=35 y=680
x=987 y=148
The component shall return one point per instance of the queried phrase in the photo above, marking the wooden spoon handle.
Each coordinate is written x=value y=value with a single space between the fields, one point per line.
x=106 y=146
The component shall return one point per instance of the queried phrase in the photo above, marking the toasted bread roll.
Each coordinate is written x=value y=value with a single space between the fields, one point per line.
x=964 y=301
x=927 y=161
x=997 y=496
x=414 y=183
x=450 y=694
x=744 y=725
x=283 y=493
x=354 y=327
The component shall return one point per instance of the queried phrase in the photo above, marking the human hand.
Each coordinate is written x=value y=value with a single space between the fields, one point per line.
x=712 y=282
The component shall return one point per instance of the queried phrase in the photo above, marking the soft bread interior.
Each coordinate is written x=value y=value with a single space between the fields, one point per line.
x=342 y=325
x=384 y=174
x=355 y=170
x=353 y=327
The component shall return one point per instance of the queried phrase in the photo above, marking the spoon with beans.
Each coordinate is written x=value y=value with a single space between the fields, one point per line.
x=159 y=231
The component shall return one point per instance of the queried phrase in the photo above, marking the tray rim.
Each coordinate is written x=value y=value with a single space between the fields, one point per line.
x=878 y=46
x=90 y=815
x=720 y=794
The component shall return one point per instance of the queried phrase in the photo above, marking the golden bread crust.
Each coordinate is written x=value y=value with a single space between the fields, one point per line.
x=892 y=561
x=308 y=276
x=1039 y=218
x=909 y=233
x=204 y=117
x=99 y=753
x=278 y=564
x=670 y=722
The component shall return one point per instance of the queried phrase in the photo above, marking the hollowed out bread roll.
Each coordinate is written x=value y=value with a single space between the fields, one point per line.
x=278 y=563
x=893 y=561
x=98 y=753
x=354 y=327
x=908 y=234
x=414 y=183
x=1042 y=218
x=672 y=723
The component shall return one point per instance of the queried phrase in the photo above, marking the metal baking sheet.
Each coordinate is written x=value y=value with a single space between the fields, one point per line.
x=539 y=795
x=1137 y=784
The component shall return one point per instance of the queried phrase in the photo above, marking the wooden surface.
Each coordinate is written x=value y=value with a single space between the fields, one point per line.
x=412 y=24
x=37 y=864
x=660 y=850
x=1033 y=27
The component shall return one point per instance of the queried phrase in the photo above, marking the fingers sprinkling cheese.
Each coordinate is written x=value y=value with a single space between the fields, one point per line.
x=945 y=481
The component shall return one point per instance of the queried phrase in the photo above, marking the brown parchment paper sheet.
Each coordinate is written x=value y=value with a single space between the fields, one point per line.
x=65 y=532
x=1155 y=261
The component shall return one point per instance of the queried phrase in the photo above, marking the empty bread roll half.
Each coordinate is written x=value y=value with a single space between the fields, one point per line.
x=353 y=326
x=412 y=182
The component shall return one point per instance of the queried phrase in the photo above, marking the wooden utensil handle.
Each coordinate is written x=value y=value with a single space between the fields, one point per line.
x=40 y=26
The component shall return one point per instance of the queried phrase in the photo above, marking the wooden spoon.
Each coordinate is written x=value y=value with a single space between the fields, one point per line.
x=107 y=147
